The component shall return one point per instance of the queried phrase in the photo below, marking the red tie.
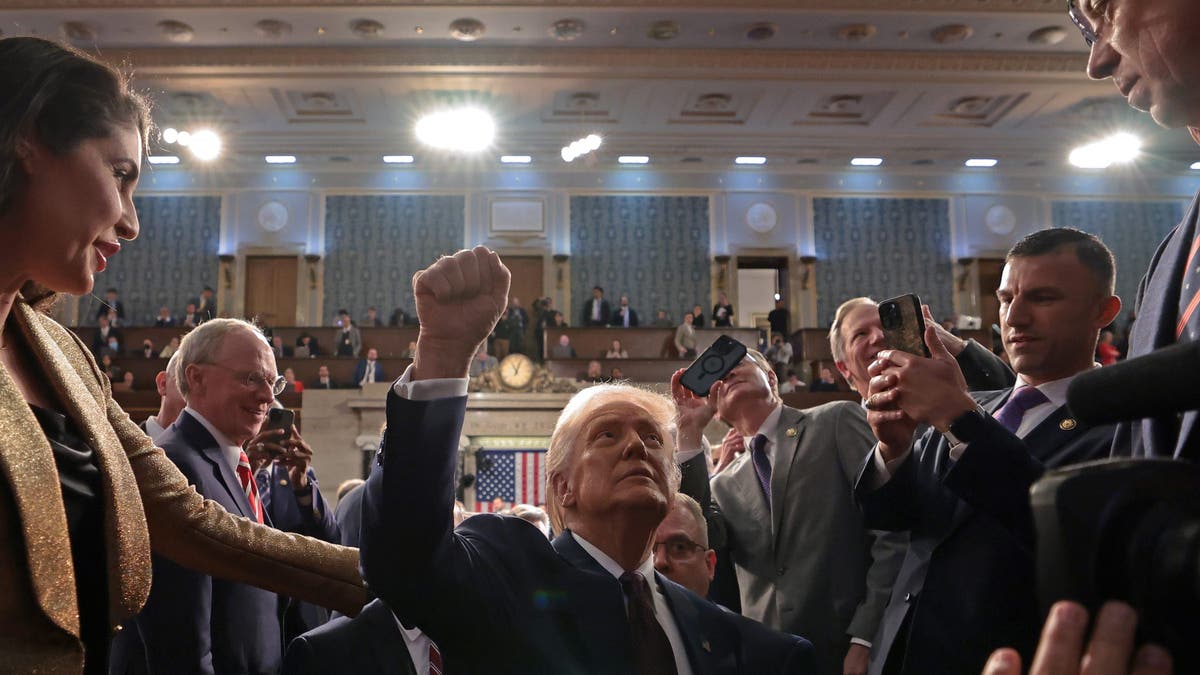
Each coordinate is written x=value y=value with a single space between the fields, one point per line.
x=248 y=484
x=1186 y=284
x=435 y=659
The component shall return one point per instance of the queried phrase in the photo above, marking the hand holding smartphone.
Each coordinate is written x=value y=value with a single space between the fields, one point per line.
x=713 y=365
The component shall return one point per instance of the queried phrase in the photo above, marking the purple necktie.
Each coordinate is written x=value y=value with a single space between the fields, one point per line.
x=1013 y=411
x=762 y=464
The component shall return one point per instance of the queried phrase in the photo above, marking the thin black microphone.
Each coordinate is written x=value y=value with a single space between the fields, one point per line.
x=1163 y=382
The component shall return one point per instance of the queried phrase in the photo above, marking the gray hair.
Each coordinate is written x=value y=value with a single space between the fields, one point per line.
x=686 y=504
x=837 y=344
x=202 y=344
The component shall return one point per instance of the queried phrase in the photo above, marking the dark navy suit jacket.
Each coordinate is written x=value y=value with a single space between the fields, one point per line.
x=968 y=584
x=194 y=623
x=360 y=371
x=497 y=597
x=368 y=644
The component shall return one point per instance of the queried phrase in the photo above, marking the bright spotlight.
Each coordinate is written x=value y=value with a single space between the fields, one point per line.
x=170 y=135
x=205 y=145
x=1118 y=149
x=460 y=130
x=1195 y=166
x=183 y=138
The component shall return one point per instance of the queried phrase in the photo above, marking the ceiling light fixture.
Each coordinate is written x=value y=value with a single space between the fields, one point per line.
x=164 y=159
x=397 y=159
x=583 y=146
x=755 y=161
x=866 y=161
x=1195 y=166
x=981 y=163
x=1119 y=148
x=633 y=159
x=457 y=130
x=515 y=159
x=205 y=145
x=280 y=159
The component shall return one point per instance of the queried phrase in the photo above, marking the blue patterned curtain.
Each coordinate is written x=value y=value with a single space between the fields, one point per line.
x=173 y=258
x=656 y=249
x=1132 y=230
x=882 y=248
x=374 y=244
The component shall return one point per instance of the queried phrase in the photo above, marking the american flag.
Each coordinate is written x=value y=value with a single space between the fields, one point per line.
x=516 y=476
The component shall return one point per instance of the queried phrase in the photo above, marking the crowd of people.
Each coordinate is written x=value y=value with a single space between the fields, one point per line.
x=888 y=535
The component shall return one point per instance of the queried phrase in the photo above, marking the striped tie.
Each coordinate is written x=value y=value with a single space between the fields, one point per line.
x=247 y=479
x=435 y=659
x=1189 y=296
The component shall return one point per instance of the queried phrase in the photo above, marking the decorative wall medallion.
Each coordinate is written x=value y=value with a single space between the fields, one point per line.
x=761 y=217
x=1000 y=219
x=272 y=216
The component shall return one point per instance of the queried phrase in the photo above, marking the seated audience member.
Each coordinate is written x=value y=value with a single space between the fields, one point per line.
x=779 y=354
x=698 y=316
x=962 y=489
x=499 y=505
x=205 y=304
x=111 y=369
x=347 y=341
x=661 y=320
x=826 y=381
x=191 y=318
x=170 y=403
x=323 y=380
x=596 y=311
x=112 y=308
x=592 y=593
x=779 y=319
x=1106 y=352
x=722 y=313
x=563 y=350
x=293 y=384
x=534 y=515
x=126 y=383
x=193 y=622
x=281 y=350
x=372 y=320
x=685 y=338
x=625 y=316
x=616 y=374
x=792 y=383
x=399 y=318
x=148 y=351
x=482 y=362
x=106 y=334
x=307 y=347
x=594 y=373
x=616 y=351
x=410 y=351
x=681 y=551
x=369 y=370
x=172 y=346
x=164 y=318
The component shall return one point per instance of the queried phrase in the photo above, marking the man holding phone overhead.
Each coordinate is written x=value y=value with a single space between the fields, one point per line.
x=967 y=585
x=805 y=564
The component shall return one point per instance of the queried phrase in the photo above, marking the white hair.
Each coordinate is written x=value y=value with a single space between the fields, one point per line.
x=202 y=344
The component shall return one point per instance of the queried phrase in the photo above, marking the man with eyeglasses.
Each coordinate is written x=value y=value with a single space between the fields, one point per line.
x=1148 y=49
x=192 y=622
x=681 y=551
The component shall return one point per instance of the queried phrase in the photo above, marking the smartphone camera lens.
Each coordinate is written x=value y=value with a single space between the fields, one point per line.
x=712 y=364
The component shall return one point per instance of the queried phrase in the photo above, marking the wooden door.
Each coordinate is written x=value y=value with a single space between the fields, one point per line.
x=989 y=281
x=526 y=287
x=271 y=289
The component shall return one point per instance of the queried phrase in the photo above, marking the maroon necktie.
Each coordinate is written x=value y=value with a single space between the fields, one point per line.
x=652 y=654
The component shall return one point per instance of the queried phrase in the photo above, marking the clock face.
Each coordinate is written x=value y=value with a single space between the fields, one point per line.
x=516 y=371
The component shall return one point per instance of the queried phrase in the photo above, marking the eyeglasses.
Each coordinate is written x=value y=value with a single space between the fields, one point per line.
x=252 y=380
x=1081 y=22
x=679 y=549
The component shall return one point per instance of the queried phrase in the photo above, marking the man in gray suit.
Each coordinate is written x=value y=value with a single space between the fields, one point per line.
x=805 y=564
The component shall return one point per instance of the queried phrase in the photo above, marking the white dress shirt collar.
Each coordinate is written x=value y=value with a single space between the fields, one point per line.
x=229 y=450
x=768 y=427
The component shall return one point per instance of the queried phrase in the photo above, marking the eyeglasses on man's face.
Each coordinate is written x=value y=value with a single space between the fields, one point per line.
x=678 y=548
x=254 y=380
x=1081 y=22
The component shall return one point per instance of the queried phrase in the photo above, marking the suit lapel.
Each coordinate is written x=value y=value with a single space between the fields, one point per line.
x=73 y=375
x=788 y=434
x=594 y=598
x=990 y=402
x=695 y=642
x=203 y=443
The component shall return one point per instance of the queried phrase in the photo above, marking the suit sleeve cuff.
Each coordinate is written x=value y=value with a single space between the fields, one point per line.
x=884 y=470
x=860 y=641
x=428 y=390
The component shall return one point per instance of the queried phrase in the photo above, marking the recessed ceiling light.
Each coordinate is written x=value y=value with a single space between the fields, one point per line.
x=633 y=159
x=170 y=135
x=164 y=159
x=981 y=163
x=1195 y=166
x=280 y=159
x=750 y=160
x=866 y=161
x=457 y=130
x=397 y=159
x=515 y=159
x=1117 y=149
x=205 y=144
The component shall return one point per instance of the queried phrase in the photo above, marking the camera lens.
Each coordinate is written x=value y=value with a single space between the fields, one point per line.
x=712 y=364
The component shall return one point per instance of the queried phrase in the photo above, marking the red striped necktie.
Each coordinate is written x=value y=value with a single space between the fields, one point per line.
x=249 y=485
x=435 y=659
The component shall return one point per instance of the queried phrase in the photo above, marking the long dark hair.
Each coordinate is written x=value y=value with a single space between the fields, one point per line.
x=59 y=97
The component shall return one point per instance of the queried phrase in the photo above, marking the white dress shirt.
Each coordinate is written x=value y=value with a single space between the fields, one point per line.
x=153 y=428
x=229 y=450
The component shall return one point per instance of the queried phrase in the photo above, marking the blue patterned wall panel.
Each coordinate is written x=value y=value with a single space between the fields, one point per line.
x=173 y=258
x=882 y=248
x=374 y=244
x=1132 y=230
x=656 y=249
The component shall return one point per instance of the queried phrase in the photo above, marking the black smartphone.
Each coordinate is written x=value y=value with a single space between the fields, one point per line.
x=903 y=324
x=280 y=418
x=714 y=364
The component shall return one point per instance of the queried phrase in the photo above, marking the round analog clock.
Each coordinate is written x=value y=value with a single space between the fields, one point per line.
x=516 y=371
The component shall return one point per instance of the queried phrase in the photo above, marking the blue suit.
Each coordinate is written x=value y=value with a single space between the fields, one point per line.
x=967 y=584
x=368 y=644
x=360 y=371
x=497 y=597
x=194 y=623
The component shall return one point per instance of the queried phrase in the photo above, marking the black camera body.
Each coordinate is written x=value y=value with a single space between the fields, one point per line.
x=714 y=364
x=1127 y=530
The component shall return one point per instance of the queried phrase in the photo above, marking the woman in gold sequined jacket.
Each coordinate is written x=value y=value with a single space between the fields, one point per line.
x=84 y=494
